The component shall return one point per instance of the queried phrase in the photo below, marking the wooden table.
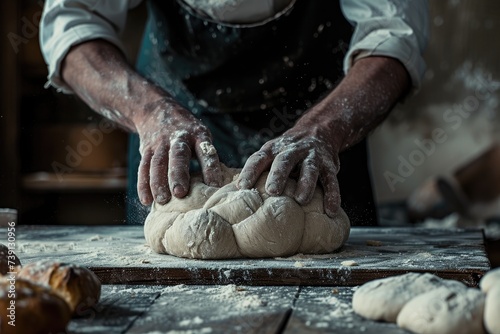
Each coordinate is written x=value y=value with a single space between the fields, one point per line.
x=150 y=293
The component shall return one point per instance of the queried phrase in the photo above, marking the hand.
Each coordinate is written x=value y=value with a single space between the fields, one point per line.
x=169 y=134
x=341 y=119
x=168 y=137
x=302 y=146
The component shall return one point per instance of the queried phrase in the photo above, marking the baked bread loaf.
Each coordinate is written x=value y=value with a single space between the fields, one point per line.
x=4 y=259
x=78 y=286
x=36 y=310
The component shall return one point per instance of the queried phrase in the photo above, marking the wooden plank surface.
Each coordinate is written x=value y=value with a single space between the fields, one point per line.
x=118 y=255
x=218 y=309
x=117 y=310
x=329 y=310
x=135 y=309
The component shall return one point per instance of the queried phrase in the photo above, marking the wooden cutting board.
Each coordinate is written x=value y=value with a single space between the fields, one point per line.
x=119 y=255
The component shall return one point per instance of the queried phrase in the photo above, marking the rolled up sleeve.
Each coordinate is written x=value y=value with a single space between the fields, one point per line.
x=65 y=23
x=392 y=28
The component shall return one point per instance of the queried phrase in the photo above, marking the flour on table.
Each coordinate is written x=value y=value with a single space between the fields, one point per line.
x=349 y=263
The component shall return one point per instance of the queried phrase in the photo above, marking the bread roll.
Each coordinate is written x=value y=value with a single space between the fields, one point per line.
x=78 y=286
x=34 y=308
x=4 y=260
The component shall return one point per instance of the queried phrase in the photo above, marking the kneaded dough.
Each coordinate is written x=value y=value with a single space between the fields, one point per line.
x=492 y=310
x=444 y=310
x=221 y=223
x=384 y=298
x=491 y=279
x=490 y=284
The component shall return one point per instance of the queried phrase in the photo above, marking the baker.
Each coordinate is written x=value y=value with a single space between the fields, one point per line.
x=279 y=85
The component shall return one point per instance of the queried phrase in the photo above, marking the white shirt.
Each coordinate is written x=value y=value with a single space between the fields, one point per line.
x=392 y=28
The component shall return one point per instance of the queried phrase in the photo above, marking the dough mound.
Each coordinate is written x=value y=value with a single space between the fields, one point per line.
x=490 y=284
x=222 y=223
x=491 y=279
x=384 y=298
x=444 y=310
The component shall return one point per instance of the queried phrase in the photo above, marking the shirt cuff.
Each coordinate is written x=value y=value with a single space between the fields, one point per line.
x=61 y=46
x=384 y=43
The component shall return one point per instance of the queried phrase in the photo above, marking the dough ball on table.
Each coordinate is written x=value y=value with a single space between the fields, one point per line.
x=383 y=299
x=226 y=222
x=78 y=286
x=5 y=257
x=490 y=284
x=492 y=310
x=38 y=310
x=444 y=310
x=491 y=279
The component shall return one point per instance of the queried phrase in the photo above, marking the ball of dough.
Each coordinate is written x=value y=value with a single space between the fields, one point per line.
x=37 y=309
x=226 y=222
x=490 y=284
x=444 y=310
x=78 y=286
x=491 y=279
x=492 y=310
x=6 y=260
x=383 y=299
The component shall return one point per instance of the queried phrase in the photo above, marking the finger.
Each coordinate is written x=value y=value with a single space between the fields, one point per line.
x=281 y=168
x=256 y=164
x=159 y=176
x=178 y=172
x=209 y=162
x=307 y=182
x=331 y=193
x=143 y=189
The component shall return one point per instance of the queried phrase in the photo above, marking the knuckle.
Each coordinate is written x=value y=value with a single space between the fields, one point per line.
x=201 y=130
x=180 y=149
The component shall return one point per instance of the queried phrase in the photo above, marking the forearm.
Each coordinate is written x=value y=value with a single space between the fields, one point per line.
x=360 y=102
x=99 y=74
x=169 y=134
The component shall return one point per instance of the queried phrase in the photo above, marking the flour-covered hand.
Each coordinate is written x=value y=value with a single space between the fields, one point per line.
x=305 y=148
x=169 y=137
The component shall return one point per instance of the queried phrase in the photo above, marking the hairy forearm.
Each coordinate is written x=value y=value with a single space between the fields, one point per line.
x=169 y=134
x=360 y=102
x=99 y=74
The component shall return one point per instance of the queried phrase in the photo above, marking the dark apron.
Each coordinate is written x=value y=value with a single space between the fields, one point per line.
x=250 y=83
